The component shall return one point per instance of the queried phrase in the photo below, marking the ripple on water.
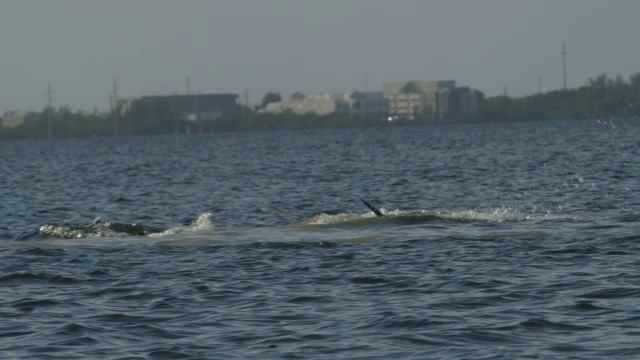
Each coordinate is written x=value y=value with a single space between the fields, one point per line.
x=496 y=250
x=612 y=293
x=29 y=304
x=22 y=278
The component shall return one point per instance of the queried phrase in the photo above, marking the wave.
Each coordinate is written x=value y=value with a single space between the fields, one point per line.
x=203 y=224
x=100 y=228
x=403 y=217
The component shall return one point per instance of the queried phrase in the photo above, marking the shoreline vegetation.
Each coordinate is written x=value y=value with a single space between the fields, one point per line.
x=601 y=98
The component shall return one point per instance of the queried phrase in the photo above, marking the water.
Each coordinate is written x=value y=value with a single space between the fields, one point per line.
x=500 y=241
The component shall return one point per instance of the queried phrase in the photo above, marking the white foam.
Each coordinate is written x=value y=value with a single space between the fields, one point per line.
x=497 y=215
x=326 y=219
x=201 y=224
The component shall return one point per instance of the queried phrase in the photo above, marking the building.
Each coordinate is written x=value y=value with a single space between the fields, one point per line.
x=459 y=100
x=12 y=119
x=298 y=103
x=321 y=104
x=189 y=107
x=415 y=99
x=363 y=104
x=349 y=104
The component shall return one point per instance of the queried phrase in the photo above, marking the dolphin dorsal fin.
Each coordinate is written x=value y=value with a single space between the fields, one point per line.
x=372 y=208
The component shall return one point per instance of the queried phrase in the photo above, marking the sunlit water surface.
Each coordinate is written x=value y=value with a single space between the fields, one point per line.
x=499 y=241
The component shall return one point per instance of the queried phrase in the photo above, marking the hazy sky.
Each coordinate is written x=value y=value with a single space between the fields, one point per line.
x=152 y=46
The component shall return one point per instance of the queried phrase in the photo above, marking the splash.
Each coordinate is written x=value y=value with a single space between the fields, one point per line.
x=496 y=215
x=100 y=228
x=201 y=224
x=97 y=228
x=328 y=219
x=418 y=216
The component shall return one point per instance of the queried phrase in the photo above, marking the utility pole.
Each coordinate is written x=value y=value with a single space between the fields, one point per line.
x=49 y=111
x=188 y=85
x=564 y=65
x=116 y=116
x=539 y=84
x=246 y=101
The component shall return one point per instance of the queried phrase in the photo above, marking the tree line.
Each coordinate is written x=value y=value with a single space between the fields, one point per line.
x=601 y=97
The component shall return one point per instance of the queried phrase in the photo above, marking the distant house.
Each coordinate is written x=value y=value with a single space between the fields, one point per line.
x=349 y=104
x=363 y=104
x=299 y=103
x=12 y=119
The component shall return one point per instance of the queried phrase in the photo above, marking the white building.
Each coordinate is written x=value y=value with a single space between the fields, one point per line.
x=299 y=103
x=12 y=119
x=363 y=104
x=349 y=104
x=412 y=99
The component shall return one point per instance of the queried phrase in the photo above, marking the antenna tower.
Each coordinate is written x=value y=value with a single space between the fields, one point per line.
x=246 y=100
x=115 y=107
x=539 y=84
x=564 y=65
x=49 y=110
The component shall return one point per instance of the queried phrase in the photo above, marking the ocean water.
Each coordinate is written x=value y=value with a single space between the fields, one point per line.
x=499 y=241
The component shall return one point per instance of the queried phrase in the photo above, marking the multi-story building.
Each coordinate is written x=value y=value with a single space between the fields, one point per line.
x=415 y=99
x=458 y=100
x=402 y=100
x=12 y=119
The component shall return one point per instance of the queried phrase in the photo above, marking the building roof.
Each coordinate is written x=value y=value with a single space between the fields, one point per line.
x=298 y=96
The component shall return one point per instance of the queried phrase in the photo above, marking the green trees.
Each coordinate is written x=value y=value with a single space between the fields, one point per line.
x=270 y=98
x=64 y=123
x=147 y=118
x=601 y=97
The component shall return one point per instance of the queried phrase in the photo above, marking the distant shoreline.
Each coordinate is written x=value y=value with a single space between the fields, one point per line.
x=602 y=98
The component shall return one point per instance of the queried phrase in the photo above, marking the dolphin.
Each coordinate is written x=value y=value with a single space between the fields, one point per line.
x=372 y=208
